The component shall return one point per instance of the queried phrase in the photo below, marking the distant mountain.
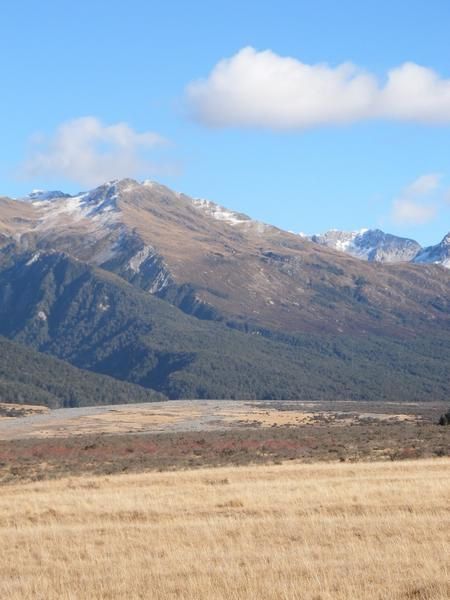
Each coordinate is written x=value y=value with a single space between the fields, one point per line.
x=193 y=299
x=42 y=195
x=30 y=377
x=370 y=244
x=375 y=245
x=439 y=254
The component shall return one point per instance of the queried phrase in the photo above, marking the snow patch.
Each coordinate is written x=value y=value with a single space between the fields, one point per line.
x=219 y=212
x=98 y=205
x=33 y=259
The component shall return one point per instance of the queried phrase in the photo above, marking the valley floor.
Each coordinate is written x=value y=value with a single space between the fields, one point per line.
x=185 y=434
x=291 y=531
x=205 y=415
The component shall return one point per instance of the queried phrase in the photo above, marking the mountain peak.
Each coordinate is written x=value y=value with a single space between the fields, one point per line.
x=438 y=254
x=42 y=195
x=373 y=245
x=119 y=205
x=446 y=240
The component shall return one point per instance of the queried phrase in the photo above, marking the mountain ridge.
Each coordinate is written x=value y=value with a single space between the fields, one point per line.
x=180 y=295
x=366 y=244
x=370 y=245
x=377 y=245
x=239 y=272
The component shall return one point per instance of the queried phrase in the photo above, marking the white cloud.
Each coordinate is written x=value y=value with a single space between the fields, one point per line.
x=409 y=212
x=414 y=207
x=425 y=184
x=263 y=89
x=87 y=152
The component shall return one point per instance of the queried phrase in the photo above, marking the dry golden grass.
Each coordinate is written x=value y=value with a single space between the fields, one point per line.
x=329 y=531
x=12 y=411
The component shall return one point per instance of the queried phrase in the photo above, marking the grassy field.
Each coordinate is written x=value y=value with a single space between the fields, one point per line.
x=291 y=531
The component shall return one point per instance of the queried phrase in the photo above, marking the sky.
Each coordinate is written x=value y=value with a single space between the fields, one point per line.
x=309 y=115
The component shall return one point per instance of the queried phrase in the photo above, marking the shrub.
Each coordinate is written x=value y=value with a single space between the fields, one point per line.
x=445 y=418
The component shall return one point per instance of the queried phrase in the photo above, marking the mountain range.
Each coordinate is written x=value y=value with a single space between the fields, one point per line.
x=181 y=296
x=376 y=245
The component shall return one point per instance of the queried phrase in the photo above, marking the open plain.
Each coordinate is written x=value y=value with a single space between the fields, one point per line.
x=292 y=531
x=203 y=415
x=227 y=500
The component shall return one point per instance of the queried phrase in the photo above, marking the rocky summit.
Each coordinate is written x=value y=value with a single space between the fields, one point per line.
x=376 y=245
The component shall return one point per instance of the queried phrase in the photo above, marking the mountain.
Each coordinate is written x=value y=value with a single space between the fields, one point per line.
x=439 y=254
x=30 y=377
x=192 y=299
x=38 y=195
x=375 y=245
x=97 y=321
x=217 y=264
x=370 y=244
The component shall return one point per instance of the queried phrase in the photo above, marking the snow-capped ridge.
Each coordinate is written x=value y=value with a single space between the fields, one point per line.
x=438 y=254
x=98 y=210
x=375 y=245
x=230 y=217
x=220 y=213
x=372 y=245
x=97 y=203
x=41 y=195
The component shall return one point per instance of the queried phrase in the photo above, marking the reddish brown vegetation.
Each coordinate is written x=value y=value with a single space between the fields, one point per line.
x=34 y=459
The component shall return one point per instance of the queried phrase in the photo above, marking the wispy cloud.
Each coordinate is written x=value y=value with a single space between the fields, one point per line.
x=87 y=152
x=411 y=212
x=423 y=185
x=263 y=89
x=417 y=205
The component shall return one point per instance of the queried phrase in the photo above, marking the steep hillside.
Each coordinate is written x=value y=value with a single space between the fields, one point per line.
x=97 y=321
x=30 y=377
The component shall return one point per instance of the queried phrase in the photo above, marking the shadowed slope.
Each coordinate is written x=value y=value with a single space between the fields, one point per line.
x=97 y=321
x=30 y=377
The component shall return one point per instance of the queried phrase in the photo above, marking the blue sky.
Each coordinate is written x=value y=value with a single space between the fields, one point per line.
x=260 y=134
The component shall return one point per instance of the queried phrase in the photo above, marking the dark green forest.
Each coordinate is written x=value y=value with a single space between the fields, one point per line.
x=30 y=377
x=98 y=322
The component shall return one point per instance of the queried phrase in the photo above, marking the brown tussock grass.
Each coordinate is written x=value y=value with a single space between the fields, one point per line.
x=328 y=532
x=11 y=411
